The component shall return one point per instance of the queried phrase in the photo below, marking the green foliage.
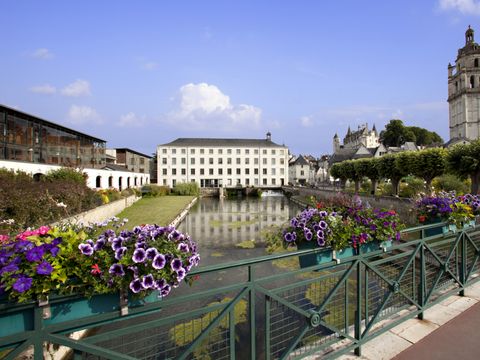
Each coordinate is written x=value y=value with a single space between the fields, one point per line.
x=429 y=164
x=155 y=190
x=66 y=174
x=33 y=204
x=449 y=182
x=464 y=161
x=411 y=186
x=367 y=168
x=388 y=169
x=396 y=134
x=190 y=188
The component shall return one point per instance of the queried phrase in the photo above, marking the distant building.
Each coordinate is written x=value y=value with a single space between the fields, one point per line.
x=131 y=159
x=302 y=170
x=464 y=92
x=37 y=146
x=223 y=162
x=354 y=140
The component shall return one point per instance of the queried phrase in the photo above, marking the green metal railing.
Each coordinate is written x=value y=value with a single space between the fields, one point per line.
x=270 y=308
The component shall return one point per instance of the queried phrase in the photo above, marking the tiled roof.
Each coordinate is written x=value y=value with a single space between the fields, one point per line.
x=116 y=167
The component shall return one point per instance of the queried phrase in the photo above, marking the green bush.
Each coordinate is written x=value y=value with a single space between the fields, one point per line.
x=411 y=186
x=151 y=190
x=66 y=174
x=450 y=182
x=190 y=188
x=31 y=204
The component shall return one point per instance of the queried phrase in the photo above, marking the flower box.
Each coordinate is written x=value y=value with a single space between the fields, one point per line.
x=327 y=254
x=64 y=309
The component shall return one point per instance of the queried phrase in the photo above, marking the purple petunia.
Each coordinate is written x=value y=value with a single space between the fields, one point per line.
x=23 y=283
x=290 y=236
x=151 y=253
x=148 y=281
x=100 y=243
x=120 y=252
x=116 y=270
x=35 y=254
x=321 y=241
x=44 y=268
x=159 y=262
x=176 y=264
x=9 y=268
x=322 y=224
x=116 y=244
x=183 y=247
x=181 y=273
x=308 y=235
x=136 y=286
x=139 y=255
x=159 y=284
x=86 y=249
x=165 y=290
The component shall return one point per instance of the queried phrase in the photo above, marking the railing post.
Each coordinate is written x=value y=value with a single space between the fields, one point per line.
x=463 y=264
x=358 y=312
x=37 y=335
x=251 y=300
x=421 y=284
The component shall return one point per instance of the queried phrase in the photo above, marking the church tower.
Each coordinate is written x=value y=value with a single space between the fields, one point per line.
x=464 y=91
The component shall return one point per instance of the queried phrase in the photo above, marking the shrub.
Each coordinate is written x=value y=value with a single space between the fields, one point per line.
x=66 y=174
x=411 y=186
x=186 y=189
x=155 y=190
x=450 y=182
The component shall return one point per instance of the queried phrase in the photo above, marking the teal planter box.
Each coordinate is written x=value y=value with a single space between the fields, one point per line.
x=438 y=230
x=326 y=254
x=63 y=310
x=321 y=257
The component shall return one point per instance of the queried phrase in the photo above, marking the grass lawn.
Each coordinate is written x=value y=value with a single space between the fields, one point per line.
x=154 y=210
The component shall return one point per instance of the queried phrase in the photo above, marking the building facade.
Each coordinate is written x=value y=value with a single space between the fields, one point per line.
x=131 y=159
x=37 y=146
x=28 y=138
x=355 y=139
x=301 y=171
x=464 y=92
x=223 y=162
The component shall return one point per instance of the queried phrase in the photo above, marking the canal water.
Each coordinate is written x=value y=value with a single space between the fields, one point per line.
x=231 y=229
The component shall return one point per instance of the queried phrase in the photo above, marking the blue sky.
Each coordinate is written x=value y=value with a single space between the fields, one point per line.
x=142 y=73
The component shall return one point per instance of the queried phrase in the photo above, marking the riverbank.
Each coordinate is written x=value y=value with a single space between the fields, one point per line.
x=160 y=210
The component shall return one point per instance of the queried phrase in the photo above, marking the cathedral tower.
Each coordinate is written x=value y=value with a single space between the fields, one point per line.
x=464 y=91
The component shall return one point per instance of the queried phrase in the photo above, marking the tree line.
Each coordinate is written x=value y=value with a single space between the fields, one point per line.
x=461 y=160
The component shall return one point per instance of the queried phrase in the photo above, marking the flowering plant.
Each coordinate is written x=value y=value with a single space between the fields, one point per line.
x=432 y=207
x=94 y=260
x=342 y=227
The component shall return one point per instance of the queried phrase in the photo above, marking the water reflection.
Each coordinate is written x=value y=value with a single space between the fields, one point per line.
x=222 y=224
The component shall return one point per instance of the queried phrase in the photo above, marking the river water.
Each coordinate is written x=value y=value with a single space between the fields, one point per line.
x=220 y=226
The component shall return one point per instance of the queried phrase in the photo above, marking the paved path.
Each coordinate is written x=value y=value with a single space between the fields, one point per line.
x=457 y=339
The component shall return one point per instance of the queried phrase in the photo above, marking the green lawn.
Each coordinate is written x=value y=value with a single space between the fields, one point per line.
x=154 y=210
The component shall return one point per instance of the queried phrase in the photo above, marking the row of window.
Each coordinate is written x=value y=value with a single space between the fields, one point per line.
x=229 y=171
x=228 y=151
x=230 y=182
x=211 y=161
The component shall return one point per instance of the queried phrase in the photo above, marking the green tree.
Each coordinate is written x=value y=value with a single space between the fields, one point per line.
x=337 y=172
x=429 y=164
x=424 y=137
x=368 y=168
x=388 y=169
x=464 y=161
x=396 y=134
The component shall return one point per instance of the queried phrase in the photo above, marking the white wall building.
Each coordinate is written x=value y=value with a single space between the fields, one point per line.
x=223 y=162
x=97 y=178
x=301 y=171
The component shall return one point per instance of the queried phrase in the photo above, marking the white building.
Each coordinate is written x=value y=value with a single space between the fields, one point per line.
x=464 y=92
x=301 y=171
x=223 y=162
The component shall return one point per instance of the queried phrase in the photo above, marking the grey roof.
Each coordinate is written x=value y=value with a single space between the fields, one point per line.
x=301 y=161
x=133 y=152
x=211 y=142
x=116 y=167
x=457 y=140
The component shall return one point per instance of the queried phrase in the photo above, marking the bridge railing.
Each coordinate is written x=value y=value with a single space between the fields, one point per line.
x=268 y=307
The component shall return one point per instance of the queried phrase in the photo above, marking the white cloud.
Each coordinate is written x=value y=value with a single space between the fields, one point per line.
x=42 y=54
x=44 y=89
x=150 y=65
x=467 y=7
x=131 y=120
x=306 y=121
x=78 y=88
x=202 y=106
x=83 y=114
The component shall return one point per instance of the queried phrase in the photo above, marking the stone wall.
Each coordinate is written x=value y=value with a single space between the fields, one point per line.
x=103 y=212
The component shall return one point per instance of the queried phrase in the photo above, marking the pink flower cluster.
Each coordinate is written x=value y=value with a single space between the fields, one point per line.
x=42 y=230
